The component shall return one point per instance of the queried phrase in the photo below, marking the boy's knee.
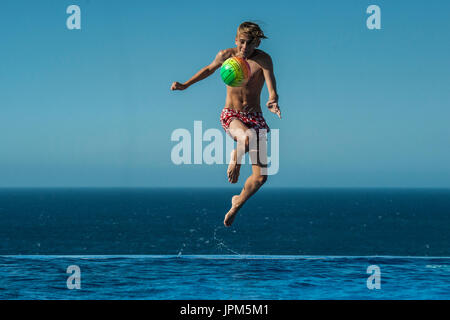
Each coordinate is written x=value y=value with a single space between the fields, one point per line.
x=249 y=139
x=261 y=179
x=243 y=141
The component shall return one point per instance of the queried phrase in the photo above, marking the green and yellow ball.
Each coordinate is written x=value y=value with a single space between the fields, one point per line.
x=235 y=72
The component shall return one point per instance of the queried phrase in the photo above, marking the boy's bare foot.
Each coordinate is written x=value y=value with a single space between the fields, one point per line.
x=235 y=206
x=233 y=168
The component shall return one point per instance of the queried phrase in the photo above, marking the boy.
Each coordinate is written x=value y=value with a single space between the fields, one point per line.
x=242 y=115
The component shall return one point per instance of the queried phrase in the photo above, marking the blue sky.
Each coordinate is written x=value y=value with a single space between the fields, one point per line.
x=92 y=107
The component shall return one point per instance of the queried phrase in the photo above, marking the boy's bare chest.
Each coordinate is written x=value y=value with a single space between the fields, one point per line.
x=256 y=80
x=256 y=70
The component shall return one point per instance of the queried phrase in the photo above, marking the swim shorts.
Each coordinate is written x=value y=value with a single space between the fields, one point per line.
x=254 y=120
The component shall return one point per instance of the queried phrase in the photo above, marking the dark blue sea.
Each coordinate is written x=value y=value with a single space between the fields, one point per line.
x=171 y=244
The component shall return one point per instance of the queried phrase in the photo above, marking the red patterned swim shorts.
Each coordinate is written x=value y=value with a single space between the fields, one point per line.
x=254 y=120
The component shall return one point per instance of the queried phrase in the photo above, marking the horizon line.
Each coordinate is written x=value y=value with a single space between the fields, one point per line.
x=225 y=256
x=220 y=187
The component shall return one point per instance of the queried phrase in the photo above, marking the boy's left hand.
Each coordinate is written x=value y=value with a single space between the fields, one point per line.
x=274 y=107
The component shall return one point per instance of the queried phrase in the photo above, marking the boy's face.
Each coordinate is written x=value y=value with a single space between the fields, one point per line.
x=246 y=44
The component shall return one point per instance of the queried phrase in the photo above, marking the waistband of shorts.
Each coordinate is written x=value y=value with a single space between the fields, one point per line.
x=243 y=112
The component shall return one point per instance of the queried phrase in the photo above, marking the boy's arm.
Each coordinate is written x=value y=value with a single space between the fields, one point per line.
x=271 y=83
x=203 y=73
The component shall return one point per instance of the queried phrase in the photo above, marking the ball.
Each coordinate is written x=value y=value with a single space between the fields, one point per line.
x=235 y=71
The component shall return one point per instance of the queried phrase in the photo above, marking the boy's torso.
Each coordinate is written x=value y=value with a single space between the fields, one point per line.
x=247 y=97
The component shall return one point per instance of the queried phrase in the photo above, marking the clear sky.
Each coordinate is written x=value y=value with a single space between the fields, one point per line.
x=92 y=107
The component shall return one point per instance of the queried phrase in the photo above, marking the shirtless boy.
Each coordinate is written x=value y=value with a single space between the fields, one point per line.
x=242 y=116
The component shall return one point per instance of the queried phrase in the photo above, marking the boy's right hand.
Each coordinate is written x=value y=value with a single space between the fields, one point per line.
x=178 y=86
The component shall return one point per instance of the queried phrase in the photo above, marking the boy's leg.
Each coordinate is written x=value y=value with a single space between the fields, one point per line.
x=240 y=133
x=253 y=183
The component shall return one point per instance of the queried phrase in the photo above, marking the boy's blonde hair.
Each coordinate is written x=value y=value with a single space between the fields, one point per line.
x=251 y=29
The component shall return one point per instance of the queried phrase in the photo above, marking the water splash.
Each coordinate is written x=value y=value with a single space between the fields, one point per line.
x=220 y=243
x=180 y=252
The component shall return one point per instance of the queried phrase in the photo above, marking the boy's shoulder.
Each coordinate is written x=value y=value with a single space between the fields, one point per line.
x=262 y=58
x=260 y=54
x=227 y=53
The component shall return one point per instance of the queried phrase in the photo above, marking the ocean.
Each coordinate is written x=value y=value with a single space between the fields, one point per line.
x=171 y=244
